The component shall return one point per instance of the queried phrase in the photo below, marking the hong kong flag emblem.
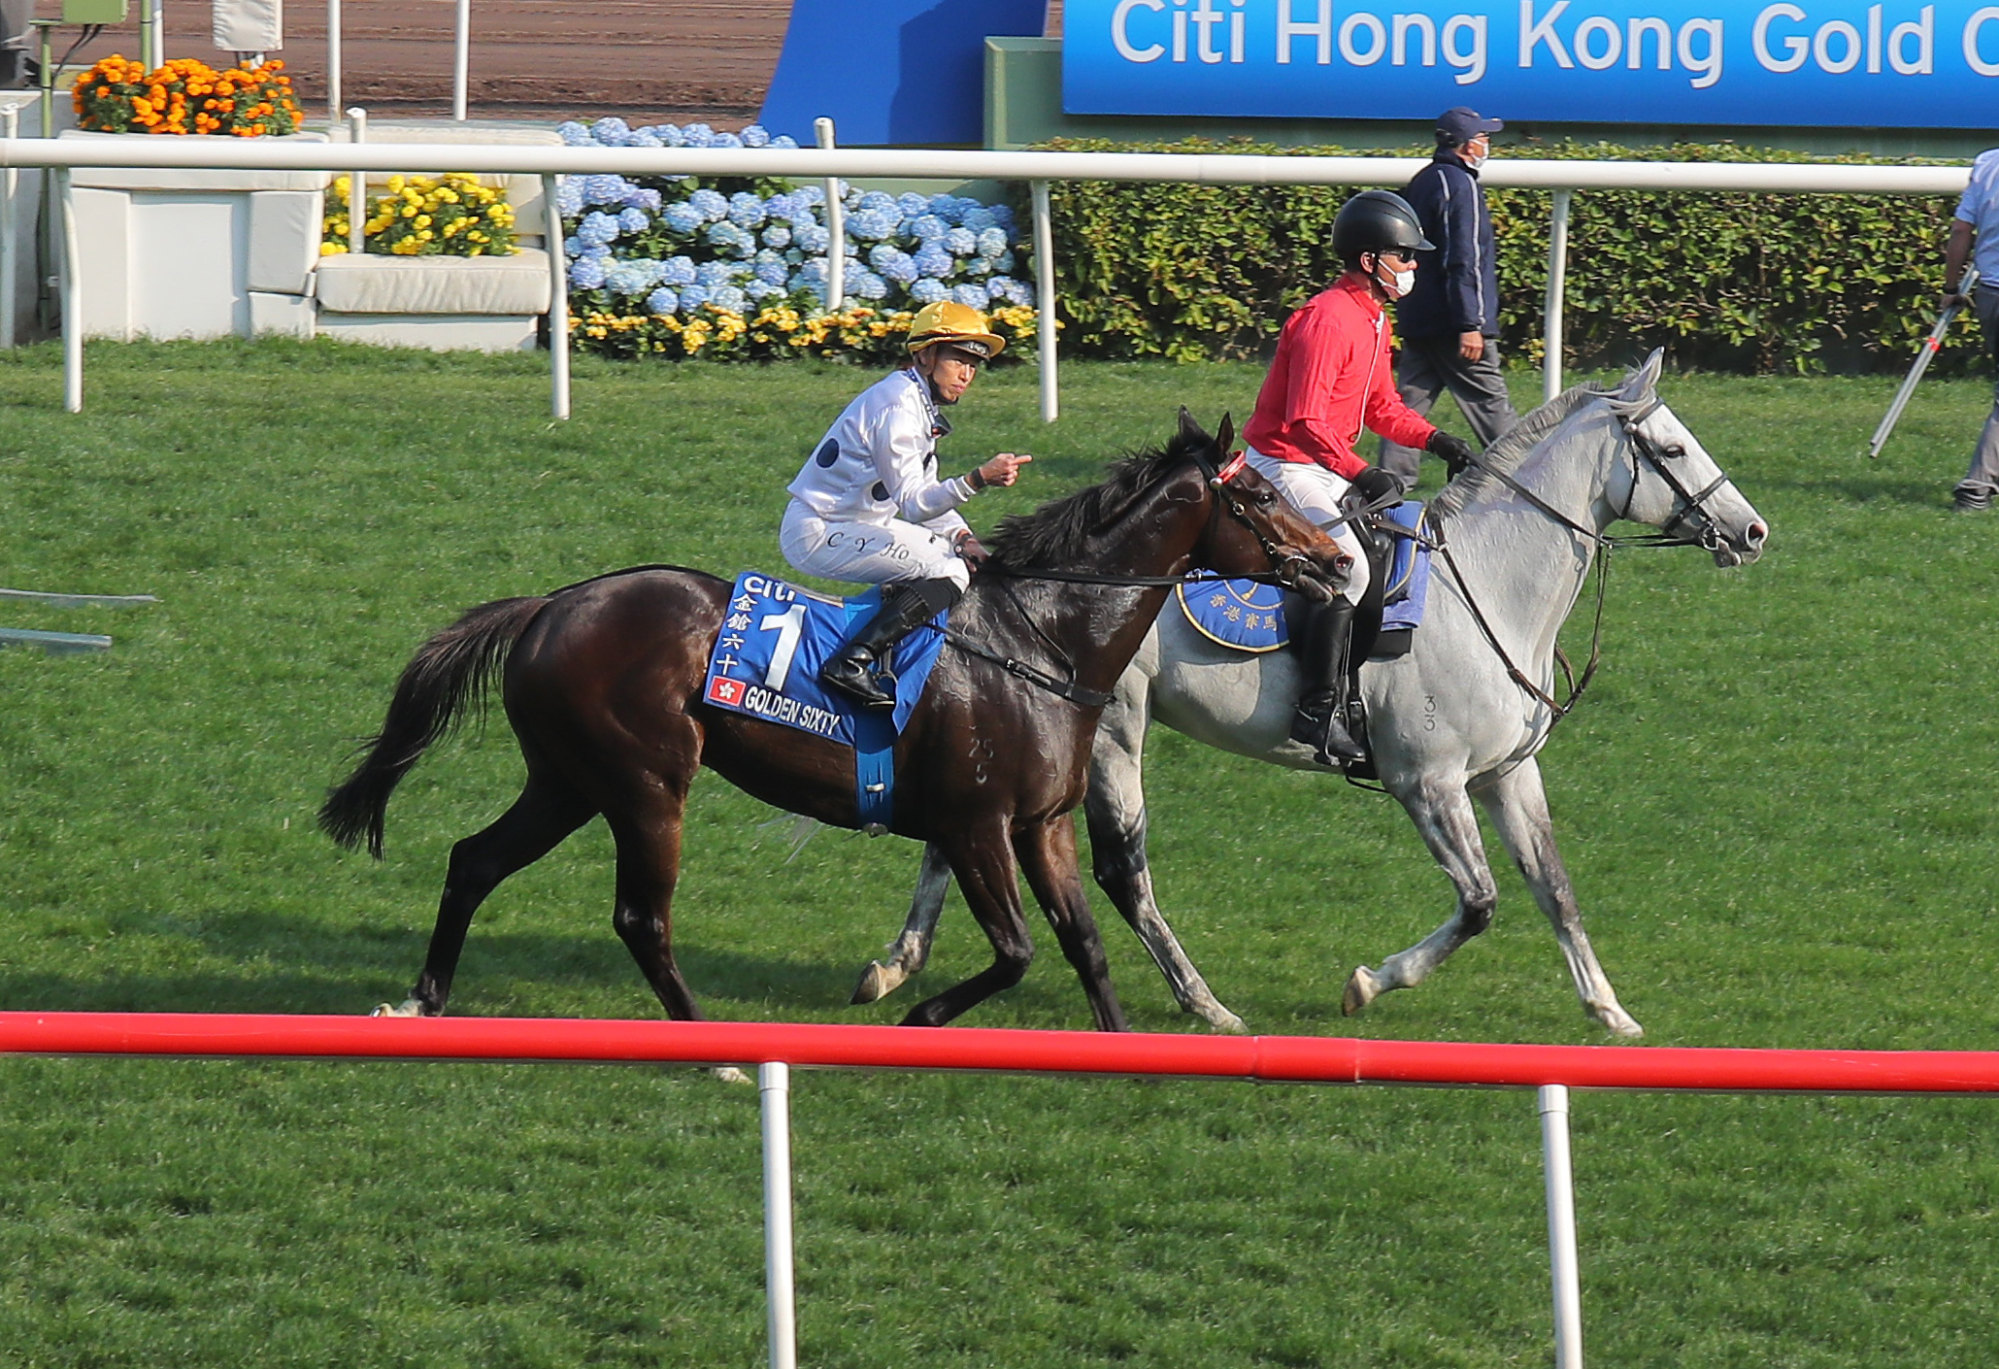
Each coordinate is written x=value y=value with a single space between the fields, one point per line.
x=725 y=691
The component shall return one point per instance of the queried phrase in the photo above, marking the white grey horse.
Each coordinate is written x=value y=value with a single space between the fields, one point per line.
x=1460 y=717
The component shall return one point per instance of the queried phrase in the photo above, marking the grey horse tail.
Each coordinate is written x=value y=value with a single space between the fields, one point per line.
x=448 y=673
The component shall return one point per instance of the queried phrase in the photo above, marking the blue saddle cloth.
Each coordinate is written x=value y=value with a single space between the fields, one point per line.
x=766 y=665
x=1249 y=615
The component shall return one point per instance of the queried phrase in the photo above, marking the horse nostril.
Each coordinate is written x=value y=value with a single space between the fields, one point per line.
x=1758 y=530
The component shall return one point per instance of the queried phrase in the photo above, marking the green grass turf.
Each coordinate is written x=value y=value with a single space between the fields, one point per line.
x=1776 y=806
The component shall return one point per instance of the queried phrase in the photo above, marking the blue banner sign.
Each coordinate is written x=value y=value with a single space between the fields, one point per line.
x=1839 y=63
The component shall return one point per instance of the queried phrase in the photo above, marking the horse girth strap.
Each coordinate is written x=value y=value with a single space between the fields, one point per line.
x=1080 y=695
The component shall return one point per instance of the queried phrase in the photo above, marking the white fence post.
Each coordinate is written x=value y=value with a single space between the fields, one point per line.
x=836 y=226
x=1554 y=1102
x=10 y=259
x=72 y=304
x=333 y=41
x=558 y=298
x=774 y=1088
x=357 y=186
x=461 y=60
x=1044 y=300
x=1551 y=312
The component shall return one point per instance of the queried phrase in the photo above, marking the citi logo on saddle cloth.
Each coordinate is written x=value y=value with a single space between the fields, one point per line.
x=766 y=665
x=1248 y=615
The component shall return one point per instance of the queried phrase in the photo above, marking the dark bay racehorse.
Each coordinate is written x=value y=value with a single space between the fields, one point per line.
x=602 y=683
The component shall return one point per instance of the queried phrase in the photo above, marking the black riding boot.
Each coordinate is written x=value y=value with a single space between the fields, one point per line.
x=859 y=669
x=1320 y=721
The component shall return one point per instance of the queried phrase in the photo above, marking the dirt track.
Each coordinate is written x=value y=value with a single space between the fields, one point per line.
x=649 y=61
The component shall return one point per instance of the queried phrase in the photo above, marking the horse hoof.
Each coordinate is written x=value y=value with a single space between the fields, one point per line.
x=409 y=1007
x=1221 y=1019
x=1619 y=1023
x=878 y=981
x=729 y=1074
x=1360 y=991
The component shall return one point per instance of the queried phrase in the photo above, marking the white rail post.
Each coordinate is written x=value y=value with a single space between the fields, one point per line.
x=1551 y=312
x=357 y=186
x=332 y=61
x=10 y=260
x=836 y=226
x=461 y=60
x=72 y=306
x=1044 y=300
x=774 y=1088
x=558 y=299
x=159 y=13
x=1554 y=1101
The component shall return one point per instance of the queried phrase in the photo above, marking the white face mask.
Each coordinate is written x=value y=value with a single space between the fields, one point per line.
x=1398 y=284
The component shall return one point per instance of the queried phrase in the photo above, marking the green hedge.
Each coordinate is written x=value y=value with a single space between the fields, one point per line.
x=1742 y=282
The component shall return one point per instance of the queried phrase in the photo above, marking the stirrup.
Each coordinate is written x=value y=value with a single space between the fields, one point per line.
x=1317 y=724
x=854 y=678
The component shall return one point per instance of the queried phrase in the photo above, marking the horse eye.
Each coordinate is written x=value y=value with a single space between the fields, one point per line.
x=1676 y=450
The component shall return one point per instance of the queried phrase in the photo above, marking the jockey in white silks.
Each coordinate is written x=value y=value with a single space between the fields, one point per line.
x=868 y=504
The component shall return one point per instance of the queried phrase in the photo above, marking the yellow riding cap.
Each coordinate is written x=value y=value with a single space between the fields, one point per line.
x=958 y=324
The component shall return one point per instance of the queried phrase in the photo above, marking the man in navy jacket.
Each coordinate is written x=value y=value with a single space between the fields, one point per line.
x=1449 y=324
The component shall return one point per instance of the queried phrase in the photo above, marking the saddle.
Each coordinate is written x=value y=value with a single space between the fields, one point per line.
x=1386 y=619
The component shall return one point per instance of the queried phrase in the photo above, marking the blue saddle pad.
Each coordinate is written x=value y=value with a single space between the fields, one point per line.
x=1249 y=615
x=766 y=665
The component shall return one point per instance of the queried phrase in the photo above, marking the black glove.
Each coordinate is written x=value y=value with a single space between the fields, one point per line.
x=1457 y=452
x=1374 y=485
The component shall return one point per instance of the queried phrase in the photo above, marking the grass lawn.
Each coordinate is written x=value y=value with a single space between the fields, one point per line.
x=1777 y=807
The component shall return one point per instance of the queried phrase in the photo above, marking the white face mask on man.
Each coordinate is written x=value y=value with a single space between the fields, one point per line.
x=1398 y=283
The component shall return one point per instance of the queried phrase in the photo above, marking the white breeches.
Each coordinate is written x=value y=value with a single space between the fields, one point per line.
x=871 y=553
x=1316 y=491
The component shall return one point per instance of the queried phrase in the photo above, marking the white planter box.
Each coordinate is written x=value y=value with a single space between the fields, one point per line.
x=196 y=254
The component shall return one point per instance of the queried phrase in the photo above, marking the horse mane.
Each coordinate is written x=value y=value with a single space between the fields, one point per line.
x=1054 y=534
x=1510 y=452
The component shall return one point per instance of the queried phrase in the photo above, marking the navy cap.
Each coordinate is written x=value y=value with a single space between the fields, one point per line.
x=1459 y=126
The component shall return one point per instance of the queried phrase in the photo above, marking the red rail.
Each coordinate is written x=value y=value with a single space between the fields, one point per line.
x=1272 y=1059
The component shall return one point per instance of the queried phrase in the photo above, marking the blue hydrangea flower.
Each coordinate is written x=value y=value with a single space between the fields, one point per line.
x=568 y=197
x=597 y=227
x=725 y=140
x=663 y=301
x=730 y=300
x=811 y=275
x=813 y=194
x=669 y=135
x=746 y=210
x=973 y=295
x=866 y=285
x=872 y=225
x=774 y=271
x=925 y=227
x=784 y=140
x=978 y=220
x=692 y=297
x=683 y=218
x=625 y=278
x=726 y=237
x=610 y=132
x=677 y=271
x=633 y=221
x=992 y=241
x=1010 y=290
x=644 y=137
x=933 y=260
x=912 y=204
x=777 y=236
x=975 y=267
x=756 y=135
x=712 y=206
x=715 y=274
x=878 y=202
x=573 y=245
x=605 y=189
x=643 y=197
x=586 y=273
x=760 y=290
x=1002 y=216
x=574 y=133
x=924 y=290
x=812 y=238
x=961 y=242
x=698 y=135
x=1003 y=262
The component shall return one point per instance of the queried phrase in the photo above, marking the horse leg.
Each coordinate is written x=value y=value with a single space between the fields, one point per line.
x=1048 y=855
x=648 y=841
x=1517 y=803
x=1443 y=815
x=910 y=952
x=982 y=860
x=1115 y=808
x=536 y=824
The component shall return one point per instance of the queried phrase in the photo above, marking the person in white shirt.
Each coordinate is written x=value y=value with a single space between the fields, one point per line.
x=1974 y=237
x=869 y=505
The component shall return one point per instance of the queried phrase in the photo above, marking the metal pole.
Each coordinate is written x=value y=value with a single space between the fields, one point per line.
x=159 y=12
x=774 y=1088
x=72 y=307
x=1924 y=355
x=357 y=186
x=461 y=60
x=1562 y=1226
x=1044 y=299
x=1558 y=270
x=836 y=227
x=332 y=61
x=10 y=264
x=146 y=37
x=558 y=300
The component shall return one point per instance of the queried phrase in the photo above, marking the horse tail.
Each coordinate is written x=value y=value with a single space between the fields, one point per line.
x=448 y=673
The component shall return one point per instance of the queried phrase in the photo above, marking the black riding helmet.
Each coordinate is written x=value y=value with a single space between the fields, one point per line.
x=1377 y=221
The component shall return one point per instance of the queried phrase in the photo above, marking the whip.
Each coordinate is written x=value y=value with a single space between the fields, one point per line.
x=1924 y=356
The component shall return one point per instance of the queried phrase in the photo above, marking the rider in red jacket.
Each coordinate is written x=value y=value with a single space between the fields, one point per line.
x=1332 y=377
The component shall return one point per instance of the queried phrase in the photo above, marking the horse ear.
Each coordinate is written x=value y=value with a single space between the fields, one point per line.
x=1225 y=435
x=1643 y=381
x=1191 y=433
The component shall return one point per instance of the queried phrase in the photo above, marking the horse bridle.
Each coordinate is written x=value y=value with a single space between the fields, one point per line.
x=1692 y=508
x=1219 y=481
